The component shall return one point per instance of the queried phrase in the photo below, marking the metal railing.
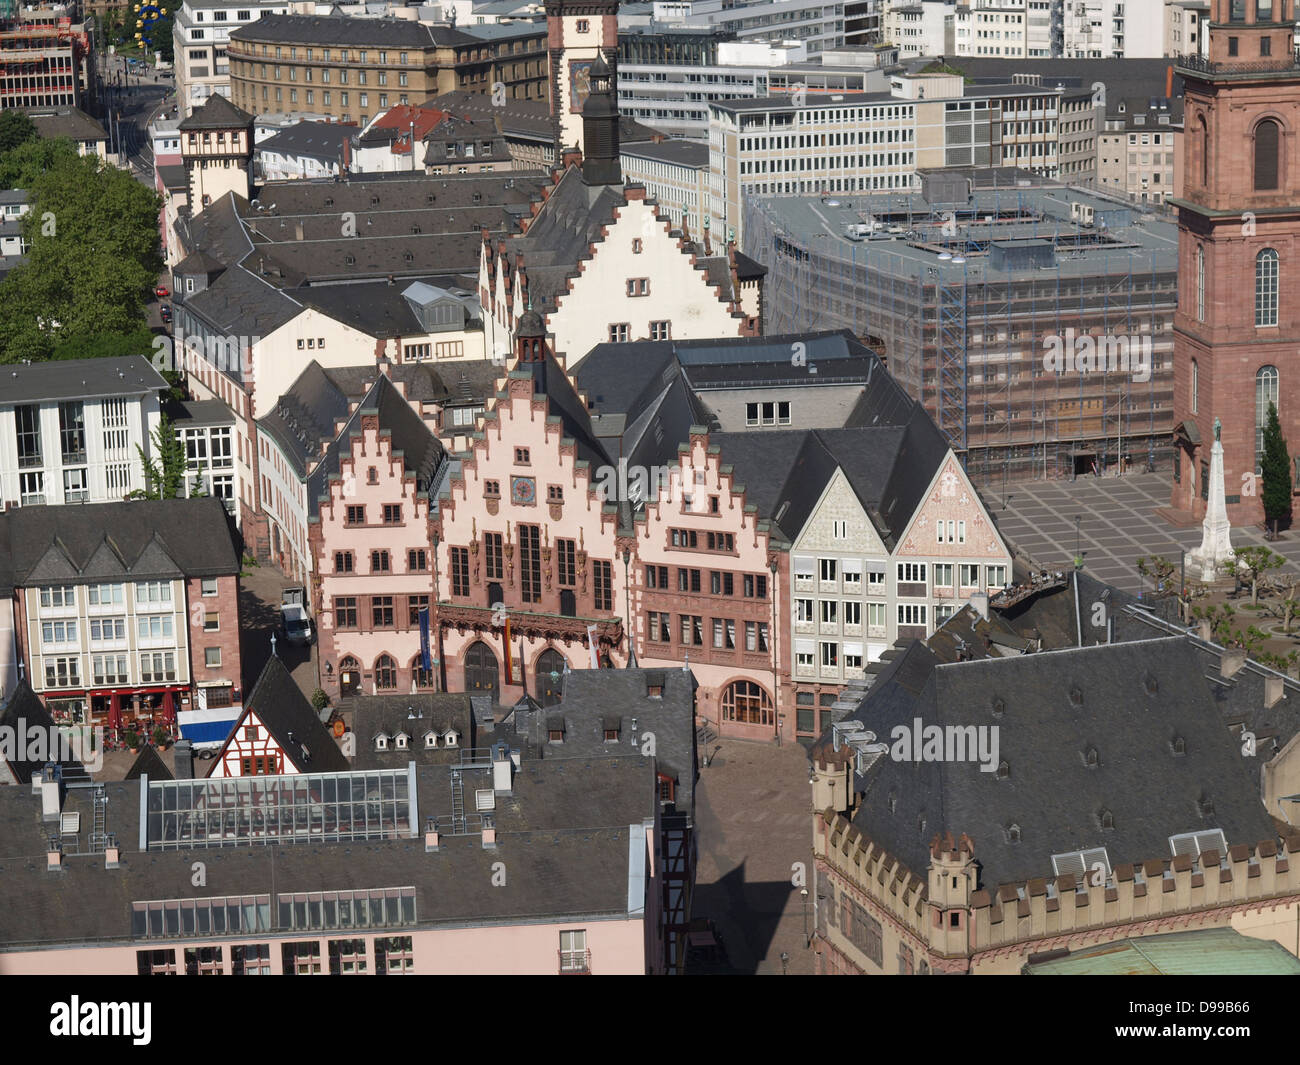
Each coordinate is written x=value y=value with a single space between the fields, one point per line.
x=1277 y=64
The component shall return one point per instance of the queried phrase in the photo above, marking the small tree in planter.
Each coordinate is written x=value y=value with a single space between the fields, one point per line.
x=160 y=737
x=319 y=699
x=132 y=740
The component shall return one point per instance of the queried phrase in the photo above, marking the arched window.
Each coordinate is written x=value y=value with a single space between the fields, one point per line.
x=1196 y=385
x=747 y=702
x=1266 y=392
x=420 y=677
x=1266 y=288
x=1266 y=143
x=385 y=673
x=1200 y=285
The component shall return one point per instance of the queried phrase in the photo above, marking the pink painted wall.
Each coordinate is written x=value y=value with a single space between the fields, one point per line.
x=617 y=947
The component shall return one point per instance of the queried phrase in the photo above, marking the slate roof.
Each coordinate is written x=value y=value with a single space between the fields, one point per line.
x=69 y=122
x=130 y=375
x=423 y=383
x=596 y=699
x=352 y=32
x=216 y=113
x=389 y=714
x=1122 y=77
x=313 y=140
x=376 y=308
x=291 y=720
x=304 y=418
x=422 y=454
x=200 y=412
x=565 y=832
x=23 y=714
x=148 y=764
x=1051 y=794
x=138 y=540
x=694 y=154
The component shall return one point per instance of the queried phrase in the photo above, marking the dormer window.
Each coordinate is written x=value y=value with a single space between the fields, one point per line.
x=400 y=741
x=381 y=741
x=655 y=691
x=451 y=738
x=611 y=735
x=430 y=740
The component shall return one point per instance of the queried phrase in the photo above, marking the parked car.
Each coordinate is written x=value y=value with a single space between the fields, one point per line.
x=162 y=292
x=165 y=312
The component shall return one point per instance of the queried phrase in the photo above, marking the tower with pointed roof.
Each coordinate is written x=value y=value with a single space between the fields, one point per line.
x=217 y=152
x=578 y=32
x=600 y=157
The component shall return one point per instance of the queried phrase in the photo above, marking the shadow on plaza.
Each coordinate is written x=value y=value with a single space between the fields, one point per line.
x=745 y=917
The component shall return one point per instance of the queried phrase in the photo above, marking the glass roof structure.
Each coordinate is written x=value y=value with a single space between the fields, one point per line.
x=303 y=808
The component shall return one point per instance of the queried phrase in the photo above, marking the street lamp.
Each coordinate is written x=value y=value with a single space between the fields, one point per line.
x=1078 y=559
x=806 y=935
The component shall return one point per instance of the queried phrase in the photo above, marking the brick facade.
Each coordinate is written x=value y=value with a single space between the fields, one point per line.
x=1225 y=223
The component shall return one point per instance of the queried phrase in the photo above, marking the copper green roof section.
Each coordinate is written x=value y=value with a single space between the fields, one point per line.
x=1207 y=952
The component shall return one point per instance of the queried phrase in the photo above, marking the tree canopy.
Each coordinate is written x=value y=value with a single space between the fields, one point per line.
x=92 y=257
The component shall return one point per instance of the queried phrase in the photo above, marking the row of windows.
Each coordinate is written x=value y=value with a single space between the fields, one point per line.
x=690 y=628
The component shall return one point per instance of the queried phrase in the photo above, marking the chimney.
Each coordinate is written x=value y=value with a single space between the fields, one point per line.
x=112 y=855
x=1274 y=691
x=297 y=231
x=430 y=841
x=980 y=604
x=502 y=770
x=54 y=856
x=1231 y=662
x=51 y=794
x=489 y=834
x=1203 y=630
x=183 y=760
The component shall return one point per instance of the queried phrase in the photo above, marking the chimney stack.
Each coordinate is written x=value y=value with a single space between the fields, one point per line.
x=1232 y=662
x=502 y=770
x=51 y=794
x=1274 y=691
x=54 y=856
x=183 y=758
x=980 y=604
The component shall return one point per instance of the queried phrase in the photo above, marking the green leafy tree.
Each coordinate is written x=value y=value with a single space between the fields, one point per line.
x=1276 y=469
x=93 y=253
x=164 y=475
x=16 y=129
x=1252 y=564
x=1161 y=571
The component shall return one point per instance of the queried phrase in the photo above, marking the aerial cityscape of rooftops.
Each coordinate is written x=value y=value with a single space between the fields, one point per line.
x=665 y=487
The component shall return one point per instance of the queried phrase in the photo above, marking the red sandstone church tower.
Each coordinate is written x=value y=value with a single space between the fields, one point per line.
x=1237 y=328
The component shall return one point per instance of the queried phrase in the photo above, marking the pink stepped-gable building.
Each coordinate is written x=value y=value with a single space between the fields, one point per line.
x=705 y=593
x=372 y=542
x=525 y=537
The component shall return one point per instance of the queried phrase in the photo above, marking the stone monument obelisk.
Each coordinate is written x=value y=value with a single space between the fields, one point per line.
x=1215 y=555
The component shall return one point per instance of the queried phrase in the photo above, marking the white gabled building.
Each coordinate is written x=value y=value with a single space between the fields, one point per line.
x=602 y=264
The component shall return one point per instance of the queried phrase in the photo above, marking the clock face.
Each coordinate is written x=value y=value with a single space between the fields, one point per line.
x=523 y=490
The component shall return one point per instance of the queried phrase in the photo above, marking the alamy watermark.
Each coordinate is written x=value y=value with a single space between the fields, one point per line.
x=920 y=742
x=673 y=485
x=35 y=743
x=1071 y=353
x=191 y=353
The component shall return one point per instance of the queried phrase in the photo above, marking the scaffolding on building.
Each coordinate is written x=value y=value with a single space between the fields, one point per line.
x=964 y=299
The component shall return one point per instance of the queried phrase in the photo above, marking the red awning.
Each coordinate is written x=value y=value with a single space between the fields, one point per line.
x=168 y=708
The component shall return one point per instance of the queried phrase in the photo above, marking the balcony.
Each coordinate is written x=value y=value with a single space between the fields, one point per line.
x=528 y=624
x=1282 y=64
x=575 y=962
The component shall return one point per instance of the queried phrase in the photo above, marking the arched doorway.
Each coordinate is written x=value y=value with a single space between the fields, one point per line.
x=550 y=677
x=481 y=672
x=349 y=675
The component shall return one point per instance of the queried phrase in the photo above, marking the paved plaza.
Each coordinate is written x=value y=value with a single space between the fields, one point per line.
x=1118 y=523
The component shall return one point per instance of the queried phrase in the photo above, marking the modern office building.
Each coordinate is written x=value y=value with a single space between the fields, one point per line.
x=975 y=291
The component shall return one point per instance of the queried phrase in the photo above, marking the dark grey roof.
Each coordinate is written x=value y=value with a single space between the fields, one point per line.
x=376 y=308
x=422 y=454
x=68 y=122
x=565 y=834
x=240 y=303
x=596 y=699
x=421 y=381
x=305 y=418
x=199 y=262
x=353 y=32
x=23 y=715
x=748 y=269
x=140 y=540
x=217 y=113
x=175 y=176
x=678 y=152
x=1122 y=77
x=131 y=375
x=148 y=764
x=201 y=412
x=315 y=140
x=1135 y=700
x=470 y=382
x=529 y=118
x=390 y=714
x=290 y=718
